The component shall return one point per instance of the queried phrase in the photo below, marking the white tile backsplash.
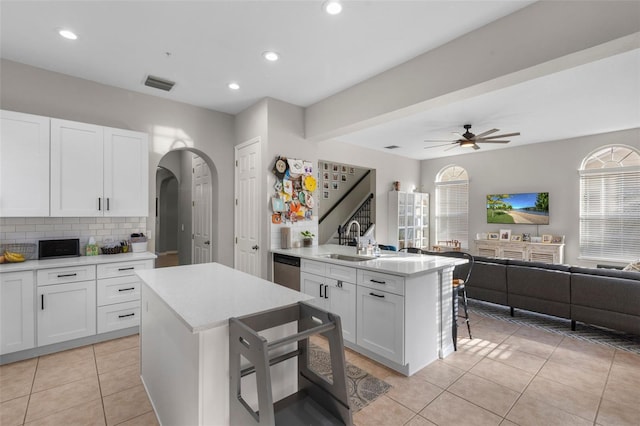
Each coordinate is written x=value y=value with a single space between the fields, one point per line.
x=33 y=229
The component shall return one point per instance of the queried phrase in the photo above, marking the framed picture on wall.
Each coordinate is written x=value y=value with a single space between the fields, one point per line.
x=516 y=237
x=546 y=238
x=343 y=178
x=325 y=194
x=335 y=176
x=325 y=166
x=325 y=185
x=334 y=185
x=352 y=170
x=336 y=168
x=344 y=169
x=325 y=176
x=505 y=234
x=493 y=236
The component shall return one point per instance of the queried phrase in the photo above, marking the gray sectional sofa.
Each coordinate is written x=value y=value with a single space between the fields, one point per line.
x=603 y=297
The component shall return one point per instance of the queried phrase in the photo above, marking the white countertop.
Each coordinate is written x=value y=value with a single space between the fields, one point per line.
x=206 y=295
x=391 y=262
x=32 y=265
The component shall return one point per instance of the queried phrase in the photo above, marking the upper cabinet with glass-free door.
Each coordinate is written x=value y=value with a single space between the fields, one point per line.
x=408 y=219
x=24 y=165
x=98 y=171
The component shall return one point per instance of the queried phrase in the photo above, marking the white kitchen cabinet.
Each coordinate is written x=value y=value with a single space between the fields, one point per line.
x=118 y=316
x=98 y=171
x=66 y=311
x=408 y=220
x=313 y=285
x=380 y=323
x=24 y=165
x=17 y=325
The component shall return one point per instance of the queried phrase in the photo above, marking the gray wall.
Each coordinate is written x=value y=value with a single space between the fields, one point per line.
x=551 y=166
x=168 y=212
x=170 y=125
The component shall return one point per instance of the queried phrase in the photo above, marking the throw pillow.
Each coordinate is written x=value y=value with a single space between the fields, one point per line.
x=633 y=266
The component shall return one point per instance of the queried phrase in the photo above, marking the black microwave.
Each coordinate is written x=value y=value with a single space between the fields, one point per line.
x=50 y=249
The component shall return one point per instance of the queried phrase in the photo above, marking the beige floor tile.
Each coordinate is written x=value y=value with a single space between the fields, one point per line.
x=440 y=374
x=526 y=344
x=60 y=398
x=503 y=374
x=383 y=411
x=484 y=393
x=486 y=333
x=464 y=360
x=117 y=345
x=478 y=346
x=412 y=392
x=116 y=360
x=586 y=379
x=626 y=359
x=119 y=380
x=500 y=326
x=506 y=422
x=16 y=379
x=126 y=405
x=538 y=335
x=450 y=410
x=148 y=419
x=87 y=414
x=419 y=421
x=12 y=412
x=529 y=411
x=68 y=357
x=57 y=374
x=585 y=347
x=583 y=355
x=566 y=398
x=623 y=385
x=518 y=359
x=613 y=413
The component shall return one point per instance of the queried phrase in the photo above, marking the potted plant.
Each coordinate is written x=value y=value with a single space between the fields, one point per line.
x=307 y=238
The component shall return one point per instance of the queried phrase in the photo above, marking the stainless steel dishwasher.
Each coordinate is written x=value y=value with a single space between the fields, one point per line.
x=286 y=271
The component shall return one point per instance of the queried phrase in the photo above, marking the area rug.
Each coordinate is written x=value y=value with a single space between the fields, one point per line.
x=362 y=387
x=603 y=336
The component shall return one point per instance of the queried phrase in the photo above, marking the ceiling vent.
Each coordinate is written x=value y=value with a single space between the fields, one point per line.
x=159 y=83
x=391 y=147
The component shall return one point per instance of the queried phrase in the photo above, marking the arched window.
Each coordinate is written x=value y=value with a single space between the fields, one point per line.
x=610 y=204
x=452 y=205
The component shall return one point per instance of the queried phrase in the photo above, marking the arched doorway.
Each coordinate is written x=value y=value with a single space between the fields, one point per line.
x=185 y=186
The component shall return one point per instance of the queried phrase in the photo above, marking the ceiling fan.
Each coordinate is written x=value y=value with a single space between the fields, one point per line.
x=468 y=139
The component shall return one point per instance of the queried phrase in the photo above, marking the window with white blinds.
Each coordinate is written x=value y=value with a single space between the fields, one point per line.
x=452 y=205
x=610 y=205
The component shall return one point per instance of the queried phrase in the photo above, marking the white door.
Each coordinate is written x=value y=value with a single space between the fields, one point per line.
x=17 y=327
x=342 y=302
x=76 y=169
x=24 y=164
x=314 y=285
x=66 y=312
x=248 y=209
x=202 y=216
x=126 y=173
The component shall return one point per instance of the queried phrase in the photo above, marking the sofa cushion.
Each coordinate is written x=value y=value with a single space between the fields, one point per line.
x=607 y=293
x=488 y=281
x=613 y=273
x=541 y=265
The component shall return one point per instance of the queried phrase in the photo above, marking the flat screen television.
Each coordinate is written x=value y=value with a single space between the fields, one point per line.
x=531 y=208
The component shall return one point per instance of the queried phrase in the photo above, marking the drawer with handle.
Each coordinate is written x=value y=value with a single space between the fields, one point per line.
x=118 y=316
x=119 y=269
x=118 y=290
x=380 y=281
x=68 y=274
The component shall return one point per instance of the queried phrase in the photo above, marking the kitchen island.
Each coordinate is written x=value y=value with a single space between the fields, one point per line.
x=395 y=308
x=184 y=339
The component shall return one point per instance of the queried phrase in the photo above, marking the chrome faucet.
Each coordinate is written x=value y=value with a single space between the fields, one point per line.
x=359 y=246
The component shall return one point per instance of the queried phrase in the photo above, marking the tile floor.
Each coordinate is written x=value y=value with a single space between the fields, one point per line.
x=508 y=375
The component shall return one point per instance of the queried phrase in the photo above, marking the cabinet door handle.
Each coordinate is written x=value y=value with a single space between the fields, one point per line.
x=126 y=315
x=339 y=284
x=378 y=282
x=99 y=203
x=321 y=285
x=326 y=296
x=107 y=203
x=42 y=301
x=126 y=289
x=377 y=295
x=127 y=269
x=67 y=275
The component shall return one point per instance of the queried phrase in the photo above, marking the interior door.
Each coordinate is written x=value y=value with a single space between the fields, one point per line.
x=201 y=205
x=248 y=208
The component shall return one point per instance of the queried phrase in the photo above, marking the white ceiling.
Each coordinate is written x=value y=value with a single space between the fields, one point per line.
x=215 y=42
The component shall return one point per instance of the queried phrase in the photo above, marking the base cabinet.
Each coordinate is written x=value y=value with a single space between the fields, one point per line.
x=380 y=323
x=66 y=312
x=532 y=252
x=17 y=325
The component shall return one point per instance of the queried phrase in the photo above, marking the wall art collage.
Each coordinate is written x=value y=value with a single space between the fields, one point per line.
x=293 y=200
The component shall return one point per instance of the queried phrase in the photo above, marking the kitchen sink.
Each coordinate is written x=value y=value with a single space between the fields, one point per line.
x=349 y=258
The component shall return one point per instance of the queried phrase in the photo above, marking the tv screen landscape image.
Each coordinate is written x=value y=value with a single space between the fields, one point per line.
x=530 y=208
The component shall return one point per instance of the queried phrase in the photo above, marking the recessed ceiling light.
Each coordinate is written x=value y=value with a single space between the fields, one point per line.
x=68 y=34
x=332 y=7
x=271 y=56
x=233 y=86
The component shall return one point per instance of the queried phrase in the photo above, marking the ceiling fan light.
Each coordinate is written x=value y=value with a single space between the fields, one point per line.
x=467 y=143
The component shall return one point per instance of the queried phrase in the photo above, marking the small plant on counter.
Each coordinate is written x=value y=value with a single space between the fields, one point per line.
x=307 y=238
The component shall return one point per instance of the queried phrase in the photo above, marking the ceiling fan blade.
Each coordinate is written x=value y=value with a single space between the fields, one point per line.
x=488 y=132
x=438 y=140
x=505 y=135
x=460 y=135
x=448 y=149
x=476 y=147
x=437 y=146
x=486 y=141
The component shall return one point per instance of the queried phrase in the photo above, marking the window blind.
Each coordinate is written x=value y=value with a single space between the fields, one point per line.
x=452 y=212
x=610 y=214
